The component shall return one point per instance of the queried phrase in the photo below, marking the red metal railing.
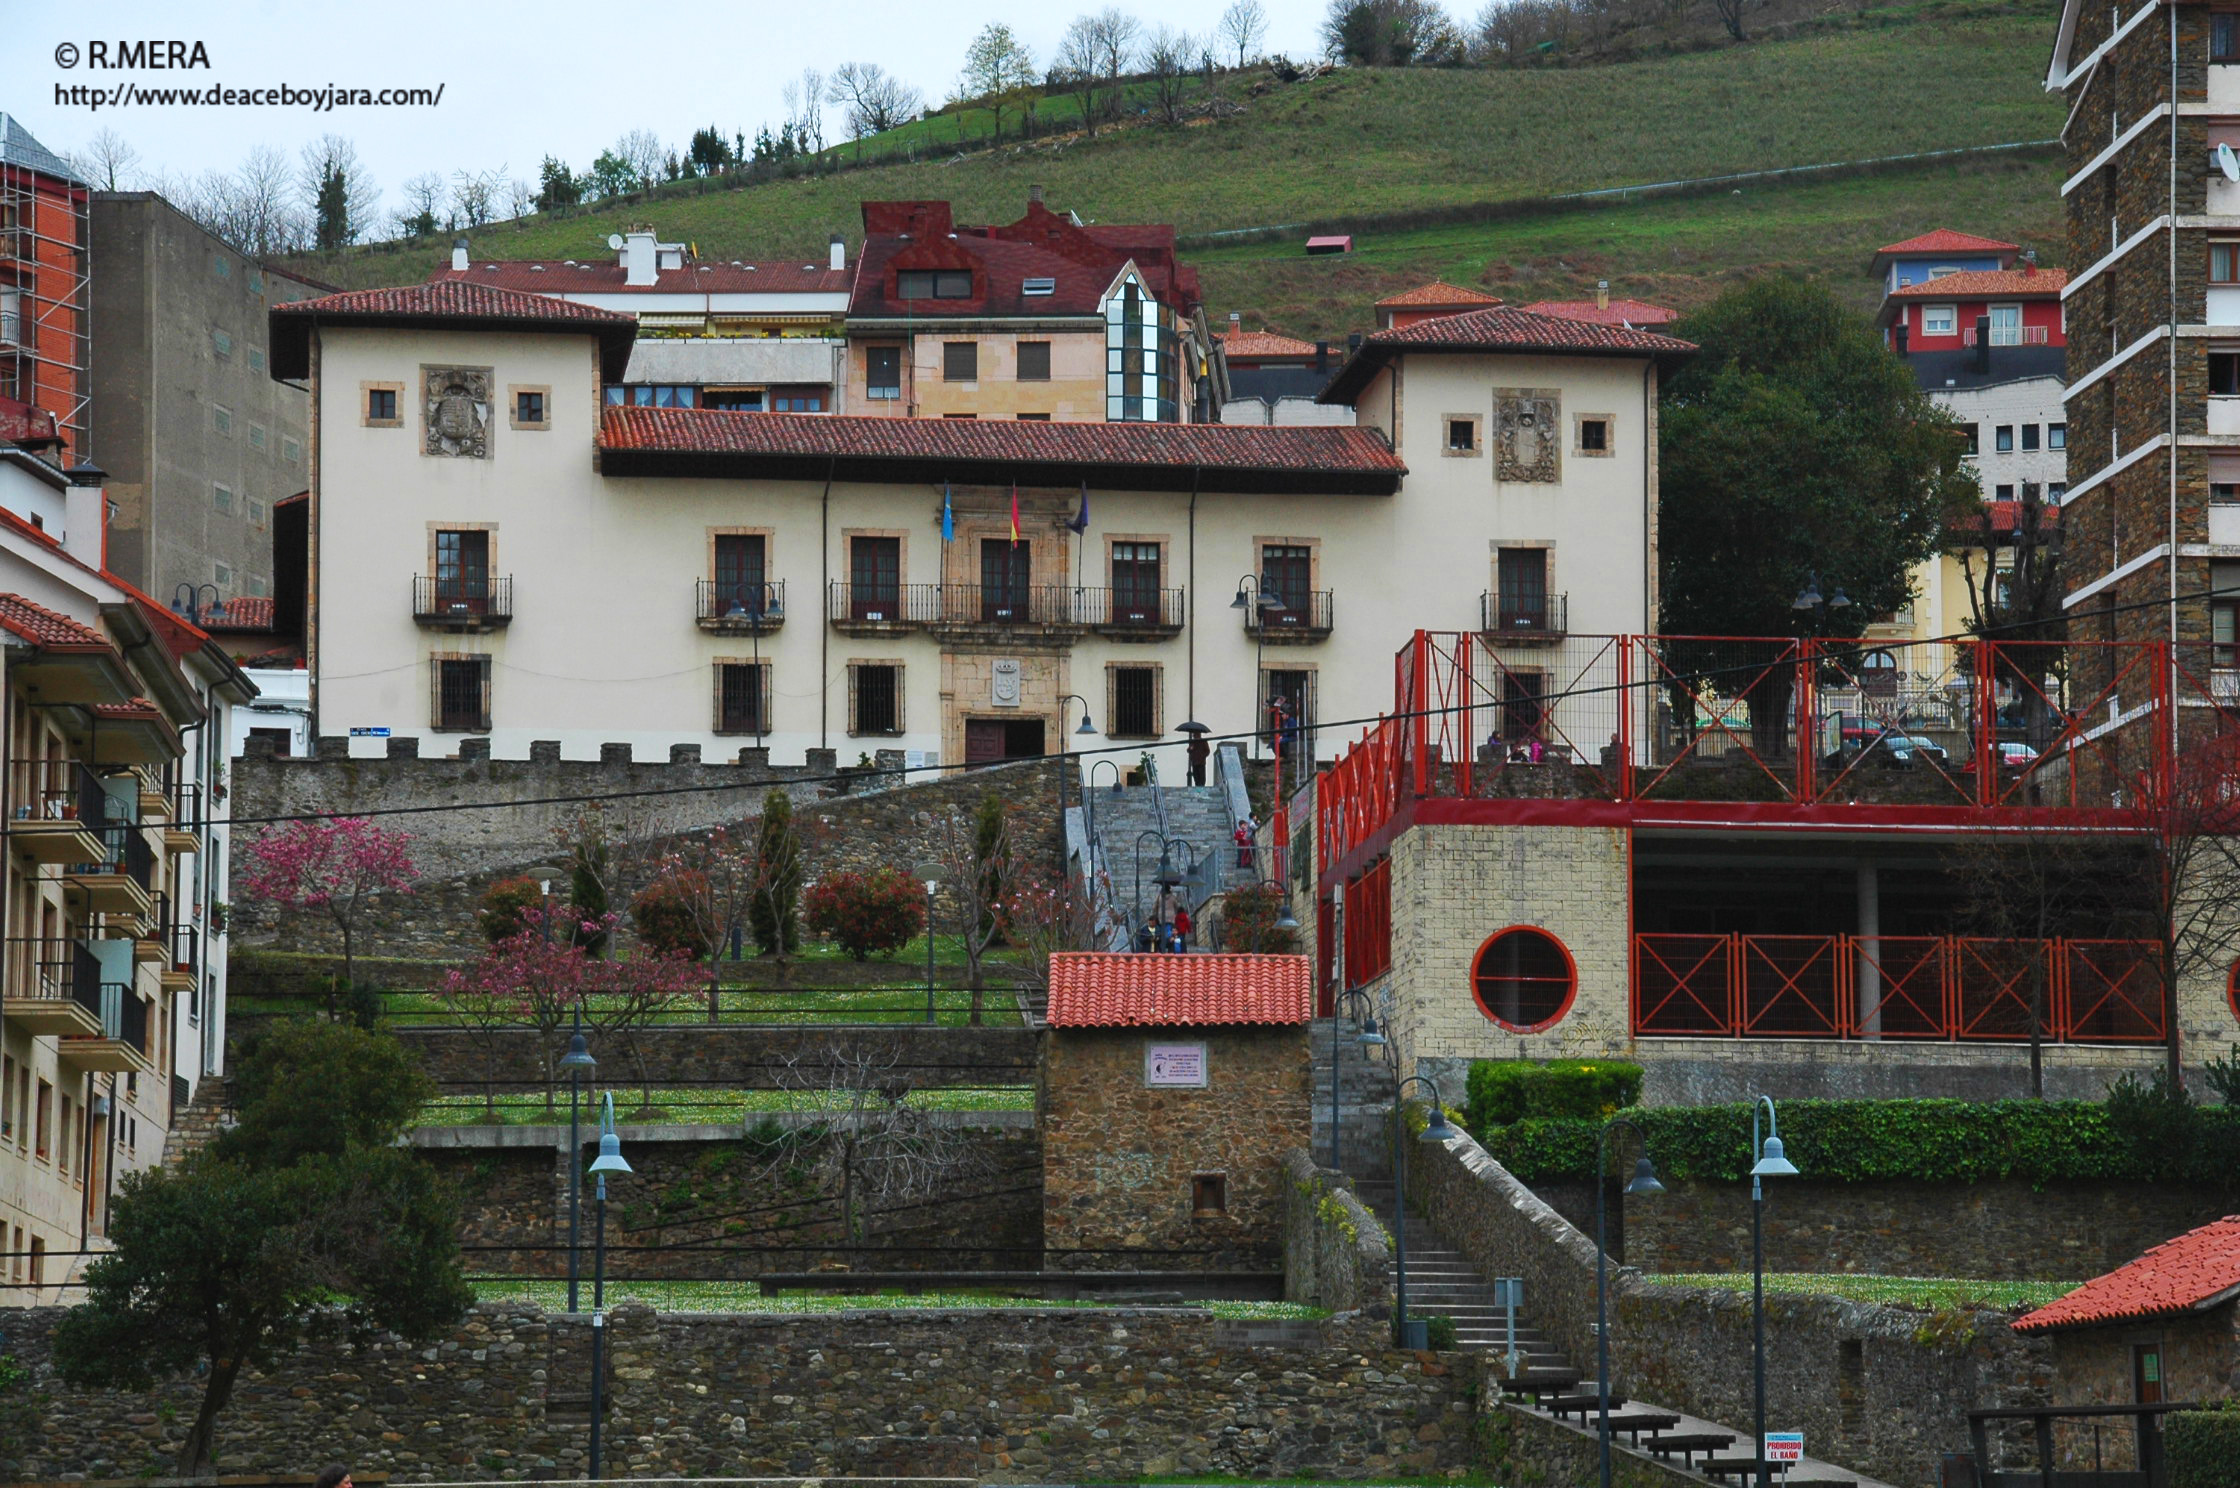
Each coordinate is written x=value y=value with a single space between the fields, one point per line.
x=1368 y=924
x=1895 y=987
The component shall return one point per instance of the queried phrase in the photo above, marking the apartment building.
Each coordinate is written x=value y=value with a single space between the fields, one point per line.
x=2152 y=514
x=499 y=557
x=112 y=959
x=44 y=274
x=199 y=441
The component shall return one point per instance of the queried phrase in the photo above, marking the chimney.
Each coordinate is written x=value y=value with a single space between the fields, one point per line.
x=640 y=255
x=1353 y=343
x=2029 y=260
x=1034 y=194
x=1322 y=356
x=1602 y=294
x=458 y=255
x=838 y=259
x=1236 y=323
x=1983 y=344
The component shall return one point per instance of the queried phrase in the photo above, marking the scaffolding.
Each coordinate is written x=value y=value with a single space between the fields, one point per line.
x=46 y=335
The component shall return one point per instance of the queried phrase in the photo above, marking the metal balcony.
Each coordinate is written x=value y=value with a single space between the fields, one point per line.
x=739 y=609
x=1124 y=614
x=60 y=811
x=462 y=604
x=121 y=1046
x=1521 y=619
x=1300 y=617
x=1008 y=607
x=53 y=987
x=882 y=609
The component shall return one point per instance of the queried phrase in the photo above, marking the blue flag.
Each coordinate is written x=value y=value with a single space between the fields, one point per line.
x=948 y=517
x=1080 y=522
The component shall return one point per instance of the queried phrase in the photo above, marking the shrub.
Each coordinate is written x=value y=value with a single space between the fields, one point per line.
x=505 y=908
x=1506 y=1090
x=867 y=912
x=1248 y=920
x=1439 y=1333
x=2203 y=1447
x=669 y=918
x=775 y=913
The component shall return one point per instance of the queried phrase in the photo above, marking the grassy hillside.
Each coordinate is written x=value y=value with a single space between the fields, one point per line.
x=1362 y=144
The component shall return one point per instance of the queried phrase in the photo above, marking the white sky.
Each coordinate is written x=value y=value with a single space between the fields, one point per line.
x=521 y=80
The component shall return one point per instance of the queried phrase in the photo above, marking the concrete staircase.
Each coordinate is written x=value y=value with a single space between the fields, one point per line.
x=1365 y=1086
x=1198 y=814
x=198 y=1123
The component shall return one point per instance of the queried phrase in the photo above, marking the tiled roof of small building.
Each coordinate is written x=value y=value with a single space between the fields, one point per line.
x=1945 y=240
x=1436 y=294
x=1968 y=284
x=48 y=630
x=1617 y=312
x=449 y=303
x=1104 y=989
x=1253 y=345
x=2196 y=1270
x=242 y=612
x=550 y=276
x=1496 y=331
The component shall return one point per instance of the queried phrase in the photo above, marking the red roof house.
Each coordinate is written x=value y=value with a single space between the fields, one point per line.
x=1602 y=310
x=2158 y=1329
x=1101 y=989
x=1427 y=301
x=2197 y=1271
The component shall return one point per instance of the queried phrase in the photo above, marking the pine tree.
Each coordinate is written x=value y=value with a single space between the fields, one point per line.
x=776 y=912
x=333 y=210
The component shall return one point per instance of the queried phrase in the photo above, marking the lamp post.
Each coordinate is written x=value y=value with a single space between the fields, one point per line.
x=1434 y=1130
x=1644 y=1183
x=931 y=874
x=749 y=612
x=1767 y=1161
x=1065 y=764
x=577 y=1062
x=1089 y=790
x=1369 y=1038
x=609 y=1160
x=1263 y=602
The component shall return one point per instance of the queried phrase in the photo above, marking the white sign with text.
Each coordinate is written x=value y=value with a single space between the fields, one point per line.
x=1175 y=1064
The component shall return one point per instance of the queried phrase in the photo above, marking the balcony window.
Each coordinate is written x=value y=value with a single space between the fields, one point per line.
x=1288 y=572
x=875 y=577
x=739 y=572
x=1135 y=583
x=798 y=400
x=462 y=570
x=1006 y=575
x=882 y=372
x=1521 y=584
x=2006 y=325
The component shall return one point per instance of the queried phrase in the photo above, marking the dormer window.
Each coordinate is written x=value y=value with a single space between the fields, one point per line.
x=933 y=284
x=1039 y=287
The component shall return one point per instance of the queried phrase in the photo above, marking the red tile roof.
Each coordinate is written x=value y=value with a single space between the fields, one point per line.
x=48 y=630
x=137 y=710
x=1945 y=240
x=1497 y=331
x=240 y=613
x=2006 y=516
x=1617 y=312
x=1437 y=295
x=1252 y=346
x=447 y=304
x=557 y=277
x=1128 y=456
x=1102 y=989
x=1081 y=263
x=1968 y=284
x=2195 y=1271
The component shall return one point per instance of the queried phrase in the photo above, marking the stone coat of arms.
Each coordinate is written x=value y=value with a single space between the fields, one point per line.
x=1527 y=435
x=458 y=404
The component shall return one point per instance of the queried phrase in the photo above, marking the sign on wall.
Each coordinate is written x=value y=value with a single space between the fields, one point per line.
x=1175 y=1064
x=1784 y=1446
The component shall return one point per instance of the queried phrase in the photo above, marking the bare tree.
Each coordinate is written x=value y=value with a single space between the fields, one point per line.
x=521 y=198
x=474 y=195
x=893 y=1144
x=2032 y=886
x=107 y=160
x=646 y=155
x=423 y=208
x=1243 y=25
x=804 y=100
x=1168 y=56
x=875 y=99
x=1730 y=16
x=1116 y=34
x=252 y=207
x=1078 y=69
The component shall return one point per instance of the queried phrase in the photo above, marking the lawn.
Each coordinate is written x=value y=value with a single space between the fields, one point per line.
x=702 y=1105
x=1925 y=1293
x=1357 y=143
x=746 y=1296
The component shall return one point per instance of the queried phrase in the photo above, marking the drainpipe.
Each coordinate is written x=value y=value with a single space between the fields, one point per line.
x=824 y=631
x=1190 y=605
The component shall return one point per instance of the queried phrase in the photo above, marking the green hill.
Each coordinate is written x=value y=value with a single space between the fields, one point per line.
x=1389 y=154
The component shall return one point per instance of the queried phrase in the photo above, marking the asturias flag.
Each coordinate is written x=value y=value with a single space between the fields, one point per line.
x=948 y=517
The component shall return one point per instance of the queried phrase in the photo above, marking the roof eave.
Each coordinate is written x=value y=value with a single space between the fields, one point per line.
x=890 y=469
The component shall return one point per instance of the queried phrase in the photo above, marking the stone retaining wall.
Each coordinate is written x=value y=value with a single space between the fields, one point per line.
x=1061 y=1396
x=743 y=1057
x=1881 y=1390
x=1335 y=1253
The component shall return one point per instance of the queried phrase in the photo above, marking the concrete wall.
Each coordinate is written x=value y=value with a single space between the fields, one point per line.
x=1004 y=1396
x=158 y=384
x=1120 y=1155
x=1881 y=1390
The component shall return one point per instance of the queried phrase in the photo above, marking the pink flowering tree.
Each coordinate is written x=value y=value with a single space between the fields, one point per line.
x=331 y=868
x=543 y=979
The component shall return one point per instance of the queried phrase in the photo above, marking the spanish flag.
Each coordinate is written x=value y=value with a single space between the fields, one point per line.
x=1014 y=512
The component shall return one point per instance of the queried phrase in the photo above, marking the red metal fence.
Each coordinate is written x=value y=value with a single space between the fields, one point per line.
x=1895 y=987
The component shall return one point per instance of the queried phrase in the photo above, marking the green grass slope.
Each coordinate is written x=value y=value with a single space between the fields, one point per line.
x=1357 y=145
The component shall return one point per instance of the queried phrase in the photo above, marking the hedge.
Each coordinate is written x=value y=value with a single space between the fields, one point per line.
x=1858 y=1141
x=2203 y=1448
x=1506 y=1090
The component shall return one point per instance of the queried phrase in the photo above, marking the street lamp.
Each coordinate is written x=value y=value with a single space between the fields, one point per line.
x=609 y=1160
x=1167 y=875
x=1434 y=1130
x=1265 y=601
x=931 y=874
x=1065 y=764
x=1768 y=1161
x=1808 y=598
x=1644 y=1183
x=1368 y=1038
x=577 y=1062
x=1089 y=792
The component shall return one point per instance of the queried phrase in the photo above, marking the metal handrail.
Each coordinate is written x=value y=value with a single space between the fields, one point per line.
x=742 y=603
x=1317 y=612
x=462 y=599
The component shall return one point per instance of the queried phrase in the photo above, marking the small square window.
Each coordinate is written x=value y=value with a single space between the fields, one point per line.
x=256 y=359
x=1939 y=320
x=2029 y=436
x=221 y=346
x=381 y=405
x=960 y=361
x=1034 y=361
x=2002 y=493
x=256 y=587
x=2224 y=373
x=2224 y=263
x=256 y=513
x=1209 y=1195
x=2002 y=439
x=258 y=438
x=2057 y=436
x=2056 y=492
x=221 y=497
x=223 y=574
x=1594 y=436
x=290 y=450
x=221 y=418
x=528 y=407
x=1462 y=436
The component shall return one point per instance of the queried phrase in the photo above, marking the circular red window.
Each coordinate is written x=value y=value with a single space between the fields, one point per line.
x=1523 y=979
x=2232 y=988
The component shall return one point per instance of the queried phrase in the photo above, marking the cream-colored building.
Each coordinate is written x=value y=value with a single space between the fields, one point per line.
x=663 y=577
x=112 y=955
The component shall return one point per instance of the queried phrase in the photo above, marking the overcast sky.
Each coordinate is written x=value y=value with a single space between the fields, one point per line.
x=558 y=77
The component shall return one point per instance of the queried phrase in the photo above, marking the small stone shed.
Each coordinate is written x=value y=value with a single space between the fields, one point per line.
x=2165 y=1327
x=1172 y=1086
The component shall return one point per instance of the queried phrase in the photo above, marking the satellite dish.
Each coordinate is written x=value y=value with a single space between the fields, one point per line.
x=2228 y=162
x=614 y=240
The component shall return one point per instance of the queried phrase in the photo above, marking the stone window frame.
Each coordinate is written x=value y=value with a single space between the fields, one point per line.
x=1609 y=450
x=901 y=695
x=490 y=543
x=1046 y=554
x=514 y=390
x=488 y=667
x=1477 y=423
x=1564 y=1006
x=759 y=663
x=1261 y=542
x=848 y=536
x=366 y=390
x=1163 y=541
x=1219 y=1179
x=1018 y=372
x=1494 y=549
x=769 y=536
x=1112 y=670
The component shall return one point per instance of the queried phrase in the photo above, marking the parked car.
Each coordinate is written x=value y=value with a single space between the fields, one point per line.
x=1876 y=745
x=2014 y=757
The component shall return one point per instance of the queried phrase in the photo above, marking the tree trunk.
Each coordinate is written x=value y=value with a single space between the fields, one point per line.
x=349 y=967
x=978 y=984
x=2037 y=1031
x=194 y=1453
